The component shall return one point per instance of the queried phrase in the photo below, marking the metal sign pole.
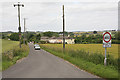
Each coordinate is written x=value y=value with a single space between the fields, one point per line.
x=106 y=43
x=105 y=60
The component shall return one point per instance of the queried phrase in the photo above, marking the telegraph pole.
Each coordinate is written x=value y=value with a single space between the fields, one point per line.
x=63 y=29
x=24 y=28
x=19 y=28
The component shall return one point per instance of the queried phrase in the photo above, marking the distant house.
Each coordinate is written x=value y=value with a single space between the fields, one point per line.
x=55 y=40
x=45 y=39
x=60 y=34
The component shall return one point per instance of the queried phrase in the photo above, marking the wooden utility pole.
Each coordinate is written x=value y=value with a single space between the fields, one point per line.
x=63 y=29
x=24 y=28
x=19 y=28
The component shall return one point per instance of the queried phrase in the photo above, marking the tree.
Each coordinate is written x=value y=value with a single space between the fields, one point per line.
x=95 y=32
x=66 y=33
x=3 y=36
x=48 y=34
x=117 y=36
x=83 y=36
x=14 y=36
x=30 y=36
x=38 y=37
x=55 y=34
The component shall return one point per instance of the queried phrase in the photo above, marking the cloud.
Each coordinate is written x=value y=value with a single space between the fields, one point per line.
x=60 y=1
x=79 y=15
x=91 y=6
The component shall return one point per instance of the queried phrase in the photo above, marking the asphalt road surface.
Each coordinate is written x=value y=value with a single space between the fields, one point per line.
x=41 y=64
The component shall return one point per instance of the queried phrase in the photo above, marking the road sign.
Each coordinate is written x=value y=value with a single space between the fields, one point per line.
x=107 y=39
x=106 y=43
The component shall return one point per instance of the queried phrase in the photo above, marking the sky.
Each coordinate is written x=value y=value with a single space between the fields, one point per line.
x=44 y=15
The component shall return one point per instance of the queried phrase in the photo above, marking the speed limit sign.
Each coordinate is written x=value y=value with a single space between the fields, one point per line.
x=106 y=43
x=107 y=39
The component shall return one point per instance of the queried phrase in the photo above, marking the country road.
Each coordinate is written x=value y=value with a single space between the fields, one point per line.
x=41 y=64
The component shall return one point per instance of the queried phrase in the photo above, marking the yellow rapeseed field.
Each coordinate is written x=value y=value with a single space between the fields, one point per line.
x=91 y=48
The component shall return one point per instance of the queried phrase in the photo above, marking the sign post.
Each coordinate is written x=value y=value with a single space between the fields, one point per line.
x=106 y=43
x=105 y=60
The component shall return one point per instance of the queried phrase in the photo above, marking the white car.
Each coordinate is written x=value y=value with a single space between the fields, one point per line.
x=37 y=47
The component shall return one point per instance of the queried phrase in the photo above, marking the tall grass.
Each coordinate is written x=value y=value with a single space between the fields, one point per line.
x=90 y=48
x=12 y=56
x=96 y=58
x=93 y=62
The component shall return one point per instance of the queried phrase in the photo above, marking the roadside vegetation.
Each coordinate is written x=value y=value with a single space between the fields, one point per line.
x=11 y=53
x=12 y=56
x=91 y=62
x=6 y=45
x=89 y=48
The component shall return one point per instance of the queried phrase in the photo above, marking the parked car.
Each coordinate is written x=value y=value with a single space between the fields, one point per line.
x=37 y=47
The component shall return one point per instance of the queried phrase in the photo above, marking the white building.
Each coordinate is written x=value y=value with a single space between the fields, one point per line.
x=68 y=40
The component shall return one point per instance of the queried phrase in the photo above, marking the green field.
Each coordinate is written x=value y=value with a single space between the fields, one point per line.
x=8 y=45
x=91 y=48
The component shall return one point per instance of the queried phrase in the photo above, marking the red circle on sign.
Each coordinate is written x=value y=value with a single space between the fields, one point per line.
x=104 y=35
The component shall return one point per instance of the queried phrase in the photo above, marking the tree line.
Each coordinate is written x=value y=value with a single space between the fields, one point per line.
x=83 y=39
x=96 y=38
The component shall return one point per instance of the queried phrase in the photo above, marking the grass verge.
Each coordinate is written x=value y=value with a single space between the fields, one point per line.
x=107 y=72
x=10 y=58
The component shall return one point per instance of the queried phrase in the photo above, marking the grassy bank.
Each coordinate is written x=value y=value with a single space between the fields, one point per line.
x=13 y=55
x=5 y=46
x=92 y=63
